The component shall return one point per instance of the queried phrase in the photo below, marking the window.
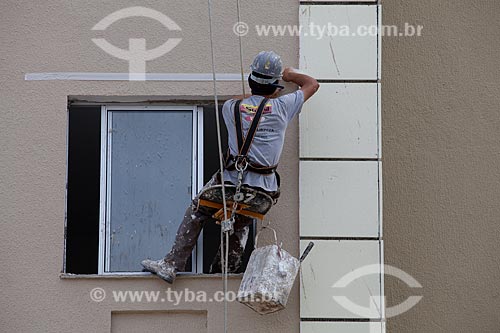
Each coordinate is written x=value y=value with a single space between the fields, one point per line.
x=132 y=171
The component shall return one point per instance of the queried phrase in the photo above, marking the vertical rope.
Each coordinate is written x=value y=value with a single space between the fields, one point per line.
x=221 y=164
x=241 y=51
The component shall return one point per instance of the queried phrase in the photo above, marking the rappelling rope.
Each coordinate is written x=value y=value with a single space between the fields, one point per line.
x=240 y=171
x=241 y=50
x=224 y=244
x=221 y=164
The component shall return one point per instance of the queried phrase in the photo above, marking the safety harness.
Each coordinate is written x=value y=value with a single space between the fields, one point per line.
x=241 y=161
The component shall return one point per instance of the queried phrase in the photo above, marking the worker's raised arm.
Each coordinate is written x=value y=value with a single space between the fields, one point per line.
x=308 y=84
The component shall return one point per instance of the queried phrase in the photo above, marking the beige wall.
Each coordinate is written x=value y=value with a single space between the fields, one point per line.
x=440 y=142
x=441 y=135
x=55 y=36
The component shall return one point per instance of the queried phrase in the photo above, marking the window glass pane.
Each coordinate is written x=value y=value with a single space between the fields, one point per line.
x=150 y=183
x=84 y=153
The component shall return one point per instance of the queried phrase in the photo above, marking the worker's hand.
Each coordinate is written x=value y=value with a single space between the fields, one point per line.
x=286 y=74
x=307 y=84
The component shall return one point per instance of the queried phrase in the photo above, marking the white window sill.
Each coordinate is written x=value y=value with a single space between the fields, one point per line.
x=140 y=275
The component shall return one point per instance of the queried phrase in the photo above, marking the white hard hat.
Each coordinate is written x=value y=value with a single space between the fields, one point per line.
x=266 y=67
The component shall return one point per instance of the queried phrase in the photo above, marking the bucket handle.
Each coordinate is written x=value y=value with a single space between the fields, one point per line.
x=275 y=238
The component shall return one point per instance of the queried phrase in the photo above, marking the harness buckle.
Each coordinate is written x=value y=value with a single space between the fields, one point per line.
x=240 y=163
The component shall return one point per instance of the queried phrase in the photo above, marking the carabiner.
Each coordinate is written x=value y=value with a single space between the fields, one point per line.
x=241 y=163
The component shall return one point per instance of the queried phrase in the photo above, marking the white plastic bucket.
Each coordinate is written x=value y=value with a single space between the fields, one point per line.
x=269 y=278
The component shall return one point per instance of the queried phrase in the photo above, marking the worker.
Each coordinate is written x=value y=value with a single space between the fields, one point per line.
x=265 y=151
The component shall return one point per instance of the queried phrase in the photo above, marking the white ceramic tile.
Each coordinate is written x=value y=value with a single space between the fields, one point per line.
x=379 y=117
x=336 y=48
x=333 y=1
x=382 y=284
x=344 y=327
x=341 y=120
x=379 y=23
x=339 y=199
x=330 y=262
x=380 y=200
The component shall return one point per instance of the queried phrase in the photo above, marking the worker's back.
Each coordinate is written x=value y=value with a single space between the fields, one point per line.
x=269 y=138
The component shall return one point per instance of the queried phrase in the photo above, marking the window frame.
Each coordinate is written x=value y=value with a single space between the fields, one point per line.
x=105 y=167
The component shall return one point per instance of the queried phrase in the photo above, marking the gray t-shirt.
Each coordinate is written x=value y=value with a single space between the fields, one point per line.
x=269 y=137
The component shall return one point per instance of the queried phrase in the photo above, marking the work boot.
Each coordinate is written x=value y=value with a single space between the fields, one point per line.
x=165 y=270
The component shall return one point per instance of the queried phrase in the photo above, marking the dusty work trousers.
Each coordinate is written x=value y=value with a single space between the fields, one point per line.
x=189 y=231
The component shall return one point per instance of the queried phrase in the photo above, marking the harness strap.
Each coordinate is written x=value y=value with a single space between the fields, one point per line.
x=230 y=164
x=237 y=122
x=244 y=144
x=253 y=127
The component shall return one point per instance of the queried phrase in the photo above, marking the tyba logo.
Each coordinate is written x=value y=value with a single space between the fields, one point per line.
x=137 y=54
